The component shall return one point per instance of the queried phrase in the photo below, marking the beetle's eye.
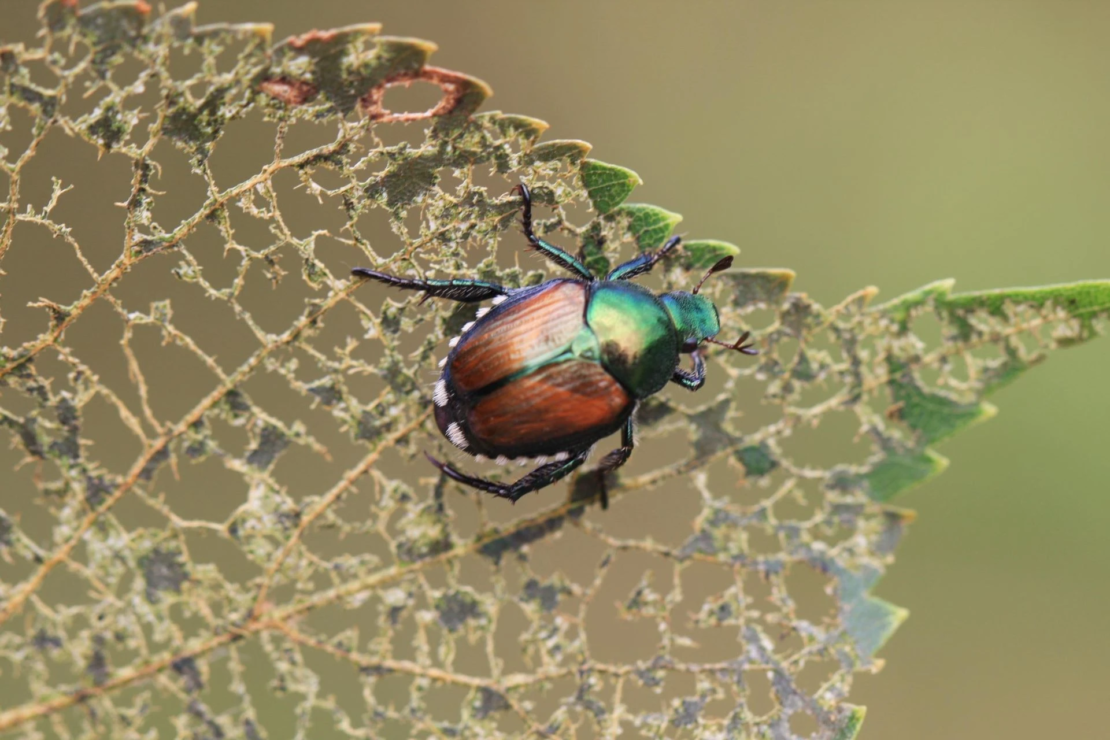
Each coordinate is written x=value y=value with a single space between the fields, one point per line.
x=690 y=345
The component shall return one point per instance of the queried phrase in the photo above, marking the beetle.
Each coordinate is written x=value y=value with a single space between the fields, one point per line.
x=550 y=370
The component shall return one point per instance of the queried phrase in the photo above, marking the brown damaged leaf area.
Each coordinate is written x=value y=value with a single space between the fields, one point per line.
x=453 y=85
x=290 y=92
x=313 y=36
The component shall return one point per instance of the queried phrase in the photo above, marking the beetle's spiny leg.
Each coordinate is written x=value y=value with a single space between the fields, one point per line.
x=464 y=291
x=525 y=209
x=553 y=253
x=614 y=459
x=644 y=262
x=542 y=476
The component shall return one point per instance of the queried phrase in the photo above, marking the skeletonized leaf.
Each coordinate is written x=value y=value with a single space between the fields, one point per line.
x=257 y=514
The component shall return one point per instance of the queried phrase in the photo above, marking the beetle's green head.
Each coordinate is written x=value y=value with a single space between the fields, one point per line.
x=694 y=316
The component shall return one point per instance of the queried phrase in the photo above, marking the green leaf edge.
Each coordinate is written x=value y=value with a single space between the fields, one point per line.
x=648 y=225
x=607 y=185
x=852 y=724
x=1085 y=300
x=871 y=621
x=701 y=254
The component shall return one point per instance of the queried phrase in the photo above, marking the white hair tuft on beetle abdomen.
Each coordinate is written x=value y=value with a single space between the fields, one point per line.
x=455 y=434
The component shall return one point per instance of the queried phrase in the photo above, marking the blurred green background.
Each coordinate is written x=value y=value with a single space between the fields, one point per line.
x=868 y=143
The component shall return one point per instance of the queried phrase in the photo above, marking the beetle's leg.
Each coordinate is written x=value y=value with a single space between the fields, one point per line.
x=542 y=476
x=614 y=460
x=464 y=291
x=553 y=253
x=691 y=381
x=643 y=263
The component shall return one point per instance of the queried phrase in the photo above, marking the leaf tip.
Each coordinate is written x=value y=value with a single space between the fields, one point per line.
x=852 y=724
x=607 y=185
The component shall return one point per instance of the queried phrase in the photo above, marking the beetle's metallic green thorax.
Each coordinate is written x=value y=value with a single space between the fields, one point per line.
x=695 y=317
x=636 y=335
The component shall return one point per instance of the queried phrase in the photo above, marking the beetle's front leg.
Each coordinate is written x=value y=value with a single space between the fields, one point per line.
x=553 y=253
x=691 y=380
x=542 y=476
x=464 y=291
x=614 y=460
x=644 y=262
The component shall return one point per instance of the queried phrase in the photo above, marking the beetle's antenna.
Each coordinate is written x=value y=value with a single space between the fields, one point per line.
x=722 y=264
x=739 y=345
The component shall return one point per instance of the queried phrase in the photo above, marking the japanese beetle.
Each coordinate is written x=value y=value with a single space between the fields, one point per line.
x=550 y=370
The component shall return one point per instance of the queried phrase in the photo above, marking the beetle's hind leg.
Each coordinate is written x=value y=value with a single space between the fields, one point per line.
x=463 y=291
x=542 y=476
x=614 y=459
x=553 y=253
